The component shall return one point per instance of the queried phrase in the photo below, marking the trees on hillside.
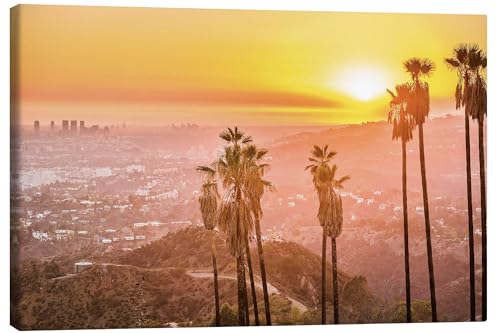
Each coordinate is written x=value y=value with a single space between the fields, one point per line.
x=469 y=61
x=477 y=109
x=208 y=206
x=258 y=186
x=460 y=63
x=239 y=173
x=329 y=216
x=402 y=128
x=418 y=69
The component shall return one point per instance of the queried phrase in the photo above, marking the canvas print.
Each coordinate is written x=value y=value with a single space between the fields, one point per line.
x=196 y=167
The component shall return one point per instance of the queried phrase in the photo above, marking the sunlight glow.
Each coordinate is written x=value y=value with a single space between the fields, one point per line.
x=362 y=83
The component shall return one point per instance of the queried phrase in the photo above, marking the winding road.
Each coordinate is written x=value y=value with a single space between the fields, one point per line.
x=272 y=289
x=200 y=275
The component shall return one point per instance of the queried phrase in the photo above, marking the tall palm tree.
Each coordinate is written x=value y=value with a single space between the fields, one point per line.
x=402 y=128
x=332 y=214
x=208 y=207
x=460 y=63
x=477 y=94
x=418 y=69
x=319 y=170
x=258 y=185
x=234 y=215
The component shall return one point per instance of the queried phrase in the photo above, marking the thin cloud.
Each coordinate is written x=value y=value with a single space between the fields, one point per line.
x=208 y=98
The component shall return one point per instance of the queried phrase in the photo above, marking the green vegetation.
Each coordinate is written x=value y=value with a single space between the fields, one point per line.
x=421 y=311
x=229 y=315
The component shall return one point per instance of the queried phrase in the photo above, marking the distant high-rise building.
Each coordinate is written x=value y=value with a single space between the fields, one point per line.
x=74 y=126
x=37 y=127
x=82 y=127
x=65 y=124
x=52 y=125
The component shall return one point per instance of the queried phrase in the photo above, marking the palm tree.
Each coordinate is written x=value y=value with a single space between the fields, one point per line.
x=258 y=185
x=477 y=95
x=332 y=211
x=319 y=170
x=402 y=128
x=460 y=63
x=234 y=215
x=418 y=69
x=208 y=207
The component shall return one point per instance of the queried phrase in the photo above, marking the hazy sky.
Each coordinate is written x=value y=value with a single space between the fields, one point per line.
x=226 y=67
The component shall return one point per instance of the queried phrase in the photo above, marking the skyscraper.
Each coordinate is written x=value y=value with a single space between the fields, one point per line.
x=37 y=127
x=65 y=125
x=52 y=125
x=82 y=127
x=74 y=126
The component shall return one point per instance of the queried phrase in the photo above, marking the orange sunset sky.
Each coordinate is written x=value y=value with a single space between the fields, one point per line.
x=212 y=67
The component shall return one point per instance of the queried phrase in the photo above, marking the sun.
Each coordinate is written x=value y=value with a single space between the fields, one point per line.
x=364 y=83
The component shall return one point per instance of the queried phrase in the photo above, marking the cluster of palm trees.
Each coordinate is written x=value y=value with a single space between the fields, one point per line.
x=409 y=108
x=239 y=173
x=330 y=217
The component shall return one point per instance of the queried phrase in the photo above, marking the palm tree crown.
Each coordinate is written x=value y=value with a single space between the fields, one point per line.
x=418 y=70
x=326 y=185
x=469 y=61
x=478 y=91
x=330 y=211
x=319 y=168
x=208 y=204
x=419 y=67
x=400 y=104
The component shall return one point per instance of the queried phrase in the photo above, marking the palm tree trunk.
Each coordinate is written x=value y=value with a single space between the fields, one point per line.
x=406 y=245
x=216 y=282
x=335 y=282
x=252 y=284
x=240 y=276
x=472 y=275
x=430 y=262
x=483 y=218
x=263 y=271
x=245 y=296
x=323 y=279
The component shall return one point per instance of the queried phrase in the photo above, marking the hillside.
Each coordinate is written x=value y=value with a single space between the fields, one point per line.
x=291 y=268
x=170 y=280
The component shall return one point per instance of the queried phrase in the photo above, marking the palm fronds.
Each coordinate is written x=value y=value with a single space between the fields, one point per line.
x=208 y=201
x=399 y=113
x=327 y=189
